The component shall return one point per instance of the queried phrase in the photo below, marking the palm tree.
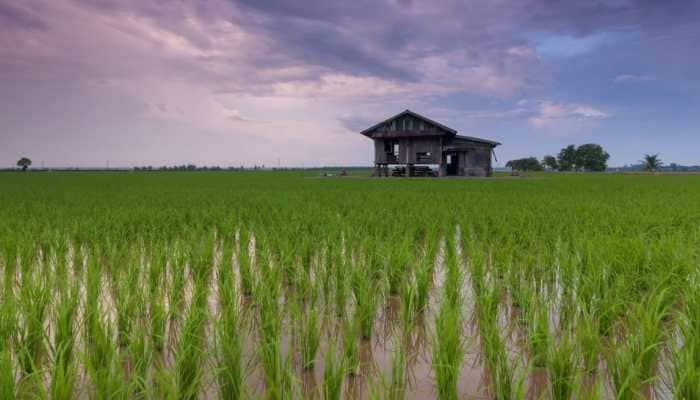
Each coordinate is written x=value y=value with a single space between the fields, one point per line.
x=651 y=162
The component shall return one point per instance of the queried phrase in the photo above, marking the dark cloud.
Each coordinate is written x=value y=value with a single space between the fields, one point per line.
x=20 y=18
x=385 y=37
x=307 y=68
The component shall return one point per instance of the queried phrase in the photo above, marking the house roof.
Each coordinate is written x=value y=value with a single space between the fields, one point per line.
x=458 y=139
x=411 y=113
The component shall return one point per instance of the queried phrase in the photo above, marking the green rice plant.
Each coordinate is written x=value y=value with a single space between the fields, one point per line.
x=333 y=374
x=650 y=332
x=229 y=334
x=377 y=388
x=310 y=337
x=102 y=362
x=165 y=383
x=127 y=302
x=341 y=291
x=398 y=264
x=351 y=350
x=496 y=356
x=539 y=337
x=178 y=278
x=158 y=321
x=587 y=336
x=275 y=368
x=494 y=348
x=398 y=373
x=448 y=349
x=155 y=298
x=685 y=352
x=454 y=278
x=408 y=311
x=141 y=355
x=63 y=379
x=244 y=263
x=393 y=387
x=189 y=353
x=625 y=370
x=8 y=318
x=588 y=388
x=366 y=302
x=609 y=260
x=562 y=364
x=63 y=373
x=423 y=281
x=324 y=273
x=7 y=376
x=686 y=372
x=34 y=300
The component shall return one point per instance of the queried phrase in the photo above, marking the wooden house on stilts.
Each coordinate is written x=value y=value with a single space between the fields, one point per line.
x=412 y=143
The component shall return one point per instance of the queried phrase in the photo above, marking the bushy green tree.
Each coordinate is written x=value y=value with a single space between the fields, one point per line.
x=24 y=162
x=591 y=157
x=550 y=162
x=525 y=164
x=567 y=158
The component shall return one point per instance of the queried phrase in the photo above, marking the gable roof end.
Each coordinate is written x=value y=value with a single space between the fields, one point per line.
x=411 y=113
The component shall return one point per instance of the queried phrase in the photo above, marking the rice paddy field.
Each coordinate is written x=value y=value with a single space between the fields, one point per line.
x=284 y=285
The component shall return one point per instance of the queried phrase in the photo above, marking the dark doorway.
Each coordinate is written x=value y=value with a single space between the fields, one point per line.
x=451 y=164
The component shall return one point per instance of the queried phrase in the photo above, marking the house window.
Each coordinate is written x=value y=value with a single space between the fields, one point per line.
x=391 y=147
x=423 y=156
x=449 y=158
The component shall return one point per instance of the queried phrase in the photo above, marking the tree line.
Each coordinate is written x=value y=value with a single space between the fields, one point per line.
x=589 y=157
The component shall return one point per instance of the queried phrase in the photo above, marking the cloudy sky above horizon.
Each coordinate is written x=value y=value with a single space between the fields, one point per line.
x=224 y=82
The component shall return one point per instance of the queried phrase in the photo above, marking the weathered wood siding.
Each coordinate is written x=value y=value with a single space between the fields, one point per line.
x=475 y=161
x=379 y=154
x=409 y=149
x=428 y=146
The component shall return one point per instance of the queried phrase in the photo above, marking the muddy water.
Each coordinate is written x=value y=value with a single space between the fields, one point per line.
x=376 y=354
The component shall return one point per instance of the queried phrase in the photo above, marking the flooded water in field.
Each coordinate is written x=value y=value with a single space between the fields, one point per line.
x=377 y=353
x=374 y=376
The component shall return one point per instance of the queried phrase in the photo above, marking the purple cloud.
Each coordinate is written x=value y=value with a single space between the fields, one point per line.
x=19 y=17
x=150 y=78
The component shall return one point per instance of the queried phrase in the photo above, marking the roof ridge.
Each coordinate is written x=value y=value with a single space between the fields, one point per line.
x=415 y=114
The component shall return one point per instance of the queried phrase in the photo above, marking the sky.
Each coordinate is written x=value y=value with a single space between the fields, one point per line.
x=291 y=83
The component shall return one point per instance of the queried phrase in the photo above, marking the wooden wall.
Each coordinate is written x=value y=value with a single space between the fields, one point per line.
x=409 y=149
x=475 y=162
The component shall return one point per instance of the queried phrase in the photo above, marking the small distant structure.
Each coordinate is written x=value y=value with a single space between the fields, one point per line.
x=412 y=142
